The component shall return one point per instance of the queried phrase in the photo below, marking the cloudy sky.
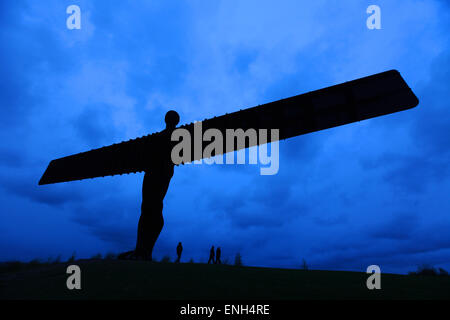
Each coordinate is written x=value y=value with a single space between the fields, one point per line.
x=374 y=192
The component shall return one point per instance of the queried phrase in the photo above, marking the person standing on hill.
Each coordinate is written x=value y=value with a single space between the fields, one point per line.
x=179 y=251
x=218 y=253
x=211 y=255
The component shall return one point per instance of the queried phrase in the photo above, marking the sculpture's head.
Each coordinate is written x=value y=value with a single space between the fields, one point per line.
x=172 y=118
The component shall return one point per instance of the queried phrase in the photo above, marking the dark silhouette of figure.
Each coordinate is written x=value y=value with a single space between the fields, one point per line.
x=154 y=188
x=211 y=255
x=218 y=253
x=179 y=251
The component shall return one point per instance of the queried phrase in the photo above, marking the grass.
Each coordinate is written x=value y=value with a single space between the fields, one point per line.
x=116 y=279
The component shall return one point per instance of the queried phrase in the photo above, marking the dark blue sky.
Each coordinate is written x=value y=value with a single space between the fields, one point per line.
x=374 y=192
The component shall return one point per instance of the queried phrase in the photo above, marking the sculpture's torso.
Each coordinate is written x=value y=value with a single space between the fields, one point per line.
x=157 y=178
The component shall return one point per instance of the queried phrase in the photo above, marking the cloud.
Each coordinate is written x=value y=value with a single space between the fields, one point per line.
x=10 y=157
x=26 y=186
x=94 y=126
x=400 y=227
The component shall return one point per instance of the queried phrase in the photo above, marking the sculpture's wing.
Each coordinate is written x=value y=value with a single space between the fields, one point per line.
x=352 y=101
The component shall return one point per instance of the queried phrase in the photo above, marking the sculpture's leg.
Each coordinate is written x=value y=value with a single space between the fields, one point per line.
x=155 y=229
x=150 y=225
x=141 y=234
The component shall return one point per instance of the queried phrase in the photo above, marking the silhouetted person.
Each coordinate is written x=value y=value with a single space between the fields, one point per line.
x=154 y=188
x=218 y=253
x=211 y=255
x=179 y=251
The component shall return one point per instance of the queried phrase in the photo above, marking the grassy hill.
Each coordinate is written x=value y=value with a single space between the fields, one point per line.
x=115 y=279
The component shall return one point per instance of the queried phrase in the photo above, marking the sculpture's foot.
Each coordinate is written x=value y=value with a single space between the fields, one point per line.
x=148 y=258
x=134 y=255
x=126 y=255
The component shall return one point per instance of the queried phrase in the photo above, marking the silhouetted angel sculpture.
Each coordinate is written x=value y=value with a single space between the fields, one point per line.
x=154 y=188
